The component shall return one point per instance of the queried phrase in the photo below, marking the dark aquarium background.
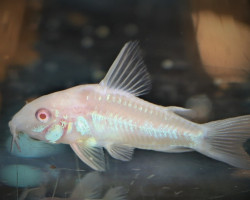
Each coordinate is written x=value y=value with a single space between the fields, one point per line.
x=197 y=53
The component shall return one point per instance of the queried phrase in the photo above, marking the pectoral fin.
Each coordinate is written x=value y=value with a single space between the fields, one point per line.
x=93 y=156
x=120 y=152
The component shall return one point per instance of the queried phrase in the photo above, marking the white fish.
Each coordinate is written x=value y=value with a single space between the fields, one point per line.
x=110 y=115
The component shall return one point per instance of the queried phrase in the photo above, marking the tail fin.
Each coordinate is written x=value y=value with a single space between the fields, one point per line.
x=117 y=193
x=224 y=139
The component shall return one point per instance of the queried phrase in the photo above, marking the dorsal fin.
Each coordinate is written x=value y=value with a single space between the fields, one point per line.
x=128 y=72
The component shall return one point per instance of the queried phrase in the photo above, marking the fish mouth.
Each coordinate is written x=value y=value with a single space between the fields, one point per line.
x=15 y=136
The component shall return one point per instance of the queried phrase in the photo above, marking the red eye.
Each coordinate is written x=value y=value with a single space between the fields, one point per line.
x=43 y=115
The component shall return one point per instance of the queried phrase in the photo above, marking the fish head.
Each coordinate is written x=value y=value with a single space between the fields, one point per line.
x=38 y=118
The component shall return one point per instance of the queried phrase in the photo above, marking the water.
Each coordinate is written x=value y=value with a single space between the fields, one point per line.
x=78 y=41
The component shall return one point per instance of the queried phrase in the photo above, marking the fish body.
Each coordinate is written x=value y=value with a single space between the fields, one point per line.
x=110 y=115
x=120 y=118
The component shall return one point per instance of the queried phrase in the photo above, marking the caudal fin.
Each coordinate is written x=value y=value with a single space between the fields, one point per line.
x=224 y=139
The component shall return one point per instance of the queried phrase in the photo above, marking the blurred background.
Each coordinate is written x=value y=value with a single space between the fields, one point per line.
x=197 y=52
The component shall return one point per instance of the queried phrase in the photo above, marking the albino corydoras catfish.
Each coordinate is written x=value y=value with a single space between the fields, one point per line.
x=110 y=115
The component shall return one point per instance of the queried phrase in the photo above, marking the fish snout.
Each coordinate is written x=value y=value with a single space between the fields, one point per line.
x=14 y=133
x=13 y=129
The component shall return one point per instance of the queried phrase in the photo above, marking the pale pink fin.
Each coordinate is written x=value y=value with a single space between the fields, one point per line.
x=224 y=140
x=128 y=72
x=91 y=155
x=120 y=152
